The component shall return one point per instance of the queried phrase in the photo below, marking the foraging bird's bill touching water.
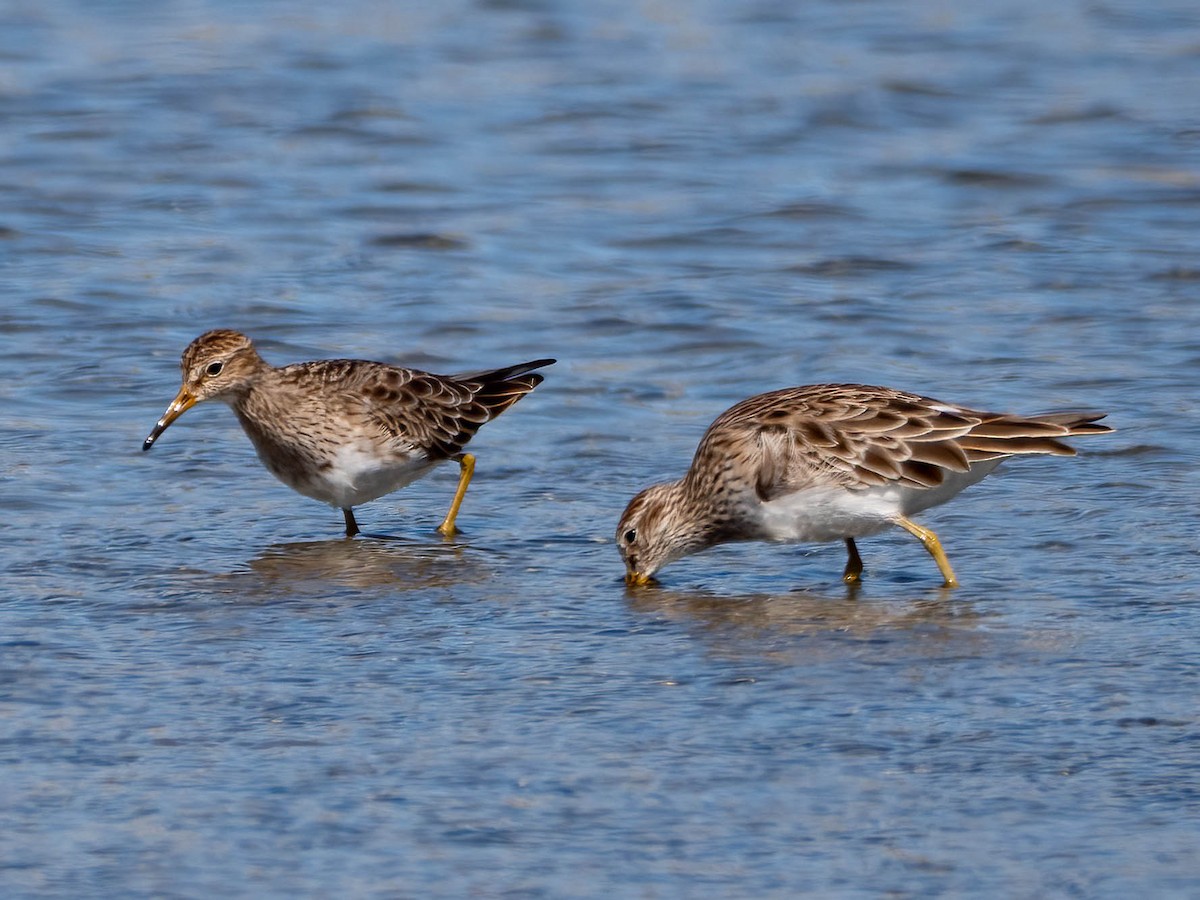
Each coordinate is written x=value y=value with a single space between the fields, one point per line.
x=830 y=462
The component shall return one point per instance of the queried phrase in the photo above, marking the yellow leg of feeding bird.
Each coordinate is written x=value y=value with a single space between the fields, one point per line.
x=854 y=565
x=466 y=464
x=933 y=545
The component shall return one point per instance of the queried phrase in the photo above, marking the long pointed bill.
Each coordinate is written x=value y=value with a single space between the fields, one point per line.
x=182 y=403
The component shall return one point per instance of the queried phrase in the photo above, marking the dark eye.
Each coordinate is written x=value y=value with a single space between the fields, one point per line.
x=215 y=368
x=630 y=536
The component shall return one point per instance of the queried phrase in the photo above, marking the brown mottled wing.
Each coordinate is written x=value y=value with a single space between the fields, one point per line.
x=998 y=435
x=861 y=436
x=439 y=414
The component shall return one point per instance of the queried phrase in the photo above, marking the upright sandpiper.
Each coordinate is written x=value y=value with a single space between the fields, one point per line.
x=347 y=431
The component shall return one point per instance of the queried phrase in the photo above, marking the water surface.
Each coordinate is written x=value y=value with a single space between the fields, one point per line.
x=204 y=690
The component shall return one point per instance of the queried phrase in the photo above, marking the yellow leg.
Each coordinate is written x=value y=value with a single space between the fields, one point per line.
x=854 y=565
x=933 y=545
x=466 y=464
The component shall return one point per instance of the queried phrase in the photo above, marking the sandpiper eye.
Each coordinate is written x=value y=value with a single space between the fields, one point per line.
x=215 y=368
x=630 y=536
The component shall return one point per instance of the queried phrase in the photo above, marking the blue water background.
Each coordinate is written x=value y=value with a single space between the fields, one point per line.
x=205 y=691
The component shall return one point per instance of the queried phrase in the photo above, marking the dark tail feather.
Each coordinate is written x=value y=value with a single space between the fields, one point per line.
x=982 y=448
x=1075 y=422
x=488 y=375
x=501 y=388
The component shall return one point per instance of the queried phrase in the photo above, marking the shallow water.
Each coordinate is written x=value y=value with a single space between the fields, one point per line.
x=205 y=690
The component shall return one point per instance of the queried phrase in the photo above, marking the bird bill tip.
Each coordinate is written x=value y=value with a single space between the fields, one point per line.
x=183 y=401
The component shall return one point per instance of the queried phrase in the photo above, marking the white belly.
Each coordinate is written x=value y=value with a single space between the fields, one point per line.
x=359 y=475
x=832 y=513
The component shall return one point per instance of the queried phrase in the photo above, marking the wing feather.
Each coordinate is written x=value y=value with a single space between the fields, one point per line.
x=861 y=436
x=421 y=412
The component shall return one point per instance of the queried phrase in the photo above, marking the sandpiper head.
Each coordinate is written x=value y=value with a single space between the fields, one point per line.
x=217 y=365
x=656 y=528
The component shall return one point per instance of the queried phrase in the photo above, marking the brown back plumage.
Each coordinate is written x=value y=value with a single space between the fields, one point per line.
x=863 y=436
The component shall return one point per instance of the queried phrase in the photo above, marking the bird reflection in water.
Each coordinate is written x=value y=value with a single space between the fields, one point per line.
x=768 y=624
x=311 y=566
